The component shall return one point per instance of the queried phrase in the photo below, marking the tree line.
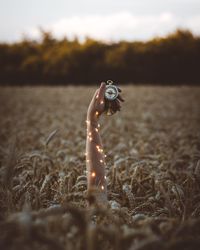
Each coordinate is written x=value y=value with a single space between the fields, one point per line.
x=174 y=59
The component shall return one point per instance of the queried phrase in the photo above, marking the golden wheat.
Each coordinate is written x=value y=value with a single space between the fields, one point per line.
x=153 y=170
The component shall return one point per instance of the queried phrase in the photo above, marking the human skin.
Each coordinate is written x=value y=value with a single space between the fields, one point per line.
x=95 y=157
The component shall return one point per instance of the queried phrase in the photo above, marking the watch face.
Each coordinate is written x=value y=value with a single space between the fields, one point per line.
x=111 y=92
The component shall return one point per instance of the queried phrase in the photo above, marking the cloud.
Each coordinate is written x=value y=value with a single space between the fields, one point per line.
x=194 y=24
x=119 y=26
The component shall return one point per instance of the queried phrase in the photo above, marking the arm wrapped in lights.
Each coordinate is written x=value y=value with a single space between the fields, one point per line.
x=95 y=157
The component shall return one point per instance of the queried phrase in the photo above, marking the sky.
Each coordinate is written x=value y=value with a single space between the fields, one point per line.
x=108 y=20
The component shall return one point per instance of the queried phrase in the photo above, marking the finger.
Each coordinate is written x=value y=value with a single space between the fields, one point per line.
x=101 y=92
x=95 y=95
x=114 y=107
x=117 y=105
x=117 y=108
x=117 y=102
x=119 y=89
x=120 y=98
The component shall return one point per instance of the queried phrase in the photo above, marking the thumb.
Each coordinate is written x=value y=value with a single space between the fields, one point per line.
x=102 y=90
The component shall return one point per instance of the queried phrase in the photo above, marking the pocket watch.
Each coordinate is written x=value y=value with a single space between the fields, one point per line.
x=111 y=94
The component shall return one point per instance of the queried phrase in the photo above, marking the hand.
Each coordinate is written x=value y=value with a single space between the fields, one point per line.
x=97 y=105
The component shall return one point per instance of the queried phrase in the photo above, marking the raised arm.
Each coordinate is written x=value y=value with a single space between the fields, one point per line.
x=95 y=157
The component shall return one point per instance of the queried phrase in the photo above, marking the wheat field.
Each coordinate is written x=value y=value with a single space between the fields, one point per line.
x=153 y=170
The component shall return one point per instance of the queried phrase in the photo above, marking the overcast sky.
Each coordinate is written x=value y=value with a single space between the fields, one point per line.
x=110 y=20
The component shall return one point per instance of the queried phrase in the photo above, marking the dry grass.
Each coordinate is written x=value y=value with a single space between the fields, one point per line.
x=153 y=169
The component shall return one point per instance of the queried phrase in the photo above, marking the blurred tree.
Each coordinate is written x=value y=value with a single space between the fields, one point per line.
x=171 y=60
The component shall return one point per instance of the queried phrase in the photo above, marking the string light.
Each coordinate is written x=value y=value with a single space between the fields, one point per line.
x=89 y=133
x=96 y=129
x=101 y=161
x=105 y=177
x=99 y=149
x=98 y=125
x=87 y=160
x=105 y=156
x=87 y=121
x=93 y=174
x=97 y=113
x=102 y=187
x=101 y=102
x=97 y=96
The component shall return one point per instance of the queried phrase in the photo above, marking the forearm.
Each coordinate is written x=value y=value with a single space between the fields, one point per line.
x=95 y=158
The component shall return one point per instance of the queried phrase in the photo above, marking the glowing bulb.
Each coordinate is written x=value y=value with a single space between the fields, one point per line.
x=102 y=187
x=105 y=156
x=89 y=133
x=93 y=174
x=97 y=146
x=87 y=160
x=97 y=96
x=96 y=129
x=98 y=125
x=101 y=102
x=97 y=113
x=101 y=161
x=105 y=177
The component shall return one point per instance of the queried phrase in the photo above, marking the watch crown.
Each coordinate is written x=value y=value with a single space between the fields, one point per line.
x=110 y=82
